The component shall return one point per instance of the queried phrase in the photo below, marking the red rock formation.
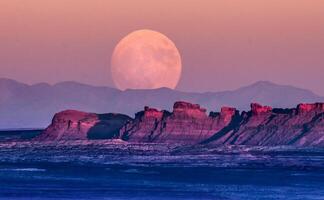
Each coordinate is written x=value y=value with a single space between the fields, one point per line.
x=188 y=123
x=303 y=125
x=258 y=109
x=76 y=125
x=143 y=126
x=187 y=110
x=316 y=107
x=152 y=113
x=227 y=114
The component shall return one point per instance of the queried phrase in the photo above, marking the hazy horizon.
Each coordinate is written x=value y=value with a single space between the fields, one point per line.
x=239 y=87
x=224 y=45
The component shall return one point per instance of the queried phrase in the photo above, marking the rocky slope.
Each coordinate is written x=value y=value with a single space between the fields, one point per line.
x=189 y=124
x=264 y=126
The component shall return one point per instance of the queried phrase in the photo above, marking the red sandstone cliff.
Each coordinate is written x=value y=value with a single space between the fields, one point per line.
x=302 y=126
x=76 y=125
x=188 y=123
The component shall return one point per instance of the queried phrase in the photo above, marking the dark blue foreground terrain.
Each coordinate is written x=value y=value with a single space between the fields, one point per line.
x=120 y=170
x=46 y=181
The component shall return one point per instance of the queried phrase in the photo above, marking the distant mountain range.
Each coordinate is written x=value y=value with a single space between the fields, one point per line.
x=33 y=106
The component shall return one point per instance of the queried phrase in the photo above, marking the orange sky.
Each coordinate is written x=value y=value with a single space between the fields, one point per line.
x=224 y=43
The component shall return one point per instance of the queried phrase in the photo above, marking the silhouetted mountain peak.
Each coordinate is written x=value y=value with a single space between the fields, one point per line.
x=10 y=82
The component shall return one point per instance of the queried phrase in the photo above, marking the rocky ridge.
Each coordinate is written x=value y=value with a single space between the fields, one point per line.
x=189 y=124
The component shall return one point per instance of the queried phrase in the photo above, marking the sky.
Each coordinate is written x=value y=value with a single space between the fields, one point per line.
x=224 y=44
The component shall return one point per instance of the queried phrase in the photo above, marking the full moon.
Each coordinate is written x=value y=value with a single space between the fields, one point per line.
x=145 y=59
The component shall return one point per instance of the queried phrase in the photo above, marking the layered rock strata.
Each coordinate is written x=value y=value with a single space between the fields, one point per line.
x=189 y=124
x=76 y=125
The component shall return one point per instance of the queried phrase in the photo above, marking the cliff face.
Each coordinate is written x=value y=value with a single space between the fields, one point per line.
x=264 y=126
x=188 y=123
x=76 y=125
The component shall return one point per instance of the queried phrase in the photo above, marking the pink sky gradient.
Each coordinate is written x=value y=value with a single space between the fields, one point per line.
x=224 y=44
